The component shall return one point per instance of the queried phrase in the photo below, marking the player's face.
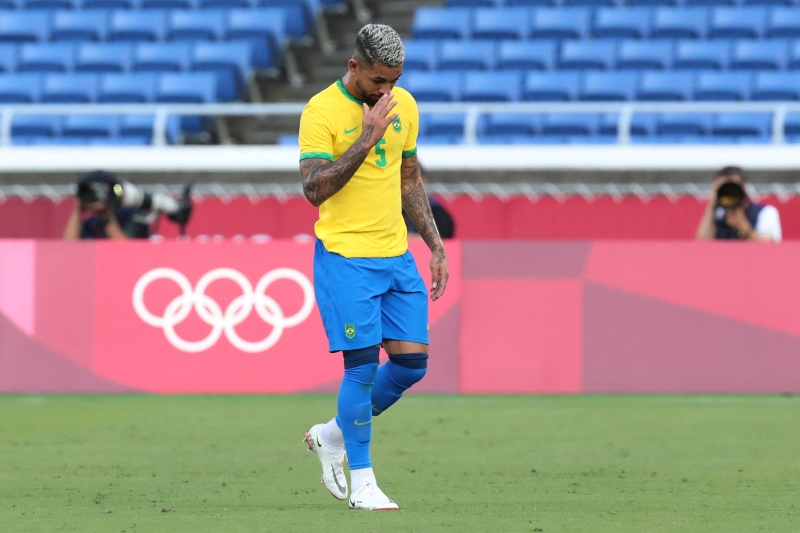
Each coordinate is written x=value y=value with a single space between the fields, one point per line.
x=374 y=82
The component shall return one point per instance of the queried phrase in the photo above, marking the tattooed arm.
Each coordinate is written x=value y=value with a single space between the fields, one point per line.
x=418 y=208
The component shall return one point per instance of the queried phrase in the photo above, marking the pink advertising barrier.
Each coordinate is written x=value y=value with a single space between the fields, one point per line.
x=518 y=317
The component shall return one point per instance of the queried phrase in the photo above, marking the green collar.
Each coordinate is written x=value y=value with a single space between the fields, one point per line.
x=347 y=94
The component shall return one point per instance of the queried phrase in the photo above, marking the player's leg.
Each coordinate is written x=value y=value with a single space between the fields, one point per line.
x=407 y=364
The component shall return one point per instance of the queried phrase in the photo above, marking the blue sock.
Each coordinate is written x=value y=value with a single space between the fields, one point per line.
x=354 y=414
x=396 y=376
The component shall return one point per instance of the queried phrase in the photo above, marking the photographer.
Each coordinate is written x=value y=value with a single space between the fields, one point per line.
x=730 y=214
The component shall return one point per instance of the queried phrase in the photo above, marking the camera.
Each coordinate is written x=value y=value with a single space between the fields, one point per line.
x=100 y=188
x=730 y=196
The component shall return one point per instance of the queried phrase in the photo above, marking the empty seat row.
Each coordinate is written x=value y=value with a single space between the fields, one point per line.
x=581 y=23
x=626 y=54
x=619 y=3
x=512 y=86
x=29 y=127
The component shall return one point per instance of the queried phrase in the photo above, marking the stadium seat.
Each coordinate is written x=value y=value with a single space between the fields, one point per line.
x=776 y=86
x=586 y=55
x=194 y=88
x=48 y=4
x=722 y=86
x=51 y=57
x=9 y=4
x=89 y=126
x=25 y=26
x=683 y=124
x=652 y=3
x=117 y=141
x=19 y=88
x=136 y=88
x=526 y=55
x=205 y=25
x=640 y=55
x=569 y=124
x=229 y=61
x=710 y=2
x=168 y=4
x=300 y=15
x=68 y=88
x=78 y=26
x=509 y=23
x=701 y=55
x=608 y=86
x=642 y=124
x=291 y=140
x=466 y=55
x=420 y=55
x=8 y=57
x=504 y=86
x=783 y=22
x=262 y=28
x=665 y=86
x=742 y=124
x=428 y=140
x=141 y=126
x=34 y=125
x=160 y=57
x=736 y=22
x=759 y=55
x=793 y=61
x=536 y=3
x=791 y=125
x=108 y=4
x=589 y=3
x=136 y=26
x=438 y=23
x=680 y=23
x=555 y=86
x=615 y=23
x=444 y=124
x=105 y=57
x=511 y=124
x=564 y=23
x=474 y=3
x=432 y=86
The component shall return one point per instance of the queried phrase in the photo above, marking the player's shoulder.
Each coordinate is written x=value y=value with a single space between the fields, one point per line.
x=323 y=98
x=403 y=96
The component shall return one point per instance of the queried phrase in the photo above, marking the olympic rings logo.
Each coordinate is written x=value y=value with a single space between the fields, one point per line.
x=211 y=313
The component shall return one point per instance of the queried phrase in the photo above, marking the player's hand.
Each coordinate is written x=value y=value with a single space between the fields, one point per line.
x=439 y=275
x=377 y=119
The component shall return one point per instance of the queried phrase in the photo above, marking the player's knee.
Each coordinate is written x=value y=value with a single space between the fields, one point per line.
x=410 y=368
x=361 y=365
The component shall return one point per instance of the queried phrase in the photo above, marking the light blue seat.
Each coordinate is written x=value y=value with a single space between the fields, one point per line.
x=474 y=3
x=434 y=140
x=526 y=55
x=535 y=3
x=653 y=3
x=727 y=86
x=616 y=23
x=168 y=4
x=50 y=57
x=193 y=88
x=783 y=22
x=504 y=86
x=665 y=86
x=432 y=86
x=24 y=26
x=136 y=26
x=701 y=55
x=420 y=55
x=511 y=124
x=509 y=23
x=639 y=55
x=300 y=16
x=226 y=4
x=563 y=23
x=589 y=3
x=466 y=55
x=78 y=26
x=443 y=124
x=68 y=88
x=141 y=126
x=791 y=126
x=759 y=55
x=742 y=124
x=439 y=23
x=48 y=4
x=678 y=23
x=204 y=25
x=768 y=3
x=89 y=126
x=608 y=86
x=160 y=57
x=552 y=86
x=683 y=123
x=59 y=141
x=736 y=22
x=779 y=86
x=562 y=124
x=19 y=88
x=230 y=62
x=288 y=140
x=262 y=28
x=710 y=2
x=105 y=57
x=34 y=125
x=8 y=57
x=9 y=5
x=586 y=55
x=108 y=4
x=793 y=61
x=117 y=141
x=642 y=124
x=134 y=88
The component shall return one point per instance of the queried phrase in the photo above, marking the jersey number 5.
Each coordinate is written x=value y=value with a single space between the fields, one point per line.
x=380 y=152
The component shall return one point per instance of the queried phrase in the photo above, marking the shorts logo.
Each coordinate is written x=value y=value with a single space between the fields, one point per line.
x=350 y=330
x=396 y=125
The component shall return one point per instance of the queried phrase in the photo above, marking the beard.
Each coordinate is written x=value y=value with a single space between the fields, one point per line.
x=364 y=96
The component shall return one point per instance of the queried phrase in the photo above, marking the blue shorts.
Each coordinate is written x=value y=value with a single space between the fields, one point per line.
x=366 y=300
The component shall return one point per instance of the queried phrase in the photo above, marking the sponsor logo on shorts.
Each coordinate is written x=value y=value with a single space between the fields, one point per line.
x=350 y=330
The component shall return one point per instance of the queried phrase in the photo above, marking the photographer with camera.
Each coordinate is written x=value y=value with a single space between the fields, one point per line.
x=730 y=214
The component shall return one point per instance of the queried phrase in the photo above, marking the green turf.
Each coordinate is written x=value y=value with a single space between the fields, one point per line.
x=554 y=464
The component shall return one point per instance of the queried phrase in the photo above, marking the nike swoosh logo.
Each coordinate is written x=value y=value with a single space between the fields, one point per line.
x=336 y=480
x=348 y=132
x=356 y=422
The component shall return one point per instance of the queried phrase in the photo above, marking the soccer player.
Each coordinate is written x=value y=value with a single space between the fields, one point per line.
x=358 y=158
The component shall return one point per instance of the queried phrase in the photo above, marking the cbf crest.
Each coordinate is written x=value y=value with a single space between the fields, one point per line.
x=396 y=125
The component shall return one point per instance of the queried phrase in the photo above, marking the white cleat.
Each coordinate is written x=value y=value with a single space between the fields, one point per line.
x=370 y=498
x=332 y=463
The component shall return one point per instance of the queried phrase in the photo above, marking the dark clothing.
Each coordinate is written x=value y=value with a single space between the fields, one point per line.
x=94 y=228
x=444 y=222
x=724 y=231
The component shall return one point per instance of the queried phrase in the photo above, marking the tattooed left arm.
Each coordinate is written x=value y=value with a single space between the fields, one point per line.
x=418 y=208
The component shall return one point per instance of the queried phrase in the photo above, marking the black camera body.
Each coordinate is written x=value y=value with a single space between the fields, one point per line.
x=730 y=196
x=100 y=188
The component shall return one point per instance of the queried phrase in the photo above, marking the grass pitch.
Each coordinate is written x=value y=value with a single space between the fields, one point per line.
x=554 y=464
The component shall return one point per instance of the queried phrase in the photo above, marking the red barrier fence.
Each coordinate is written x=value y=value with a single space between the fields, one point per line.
x=518 y=317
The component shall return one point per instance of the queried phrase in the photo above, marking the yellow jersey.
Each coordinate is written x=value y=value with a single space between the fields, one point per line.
x=365 y=218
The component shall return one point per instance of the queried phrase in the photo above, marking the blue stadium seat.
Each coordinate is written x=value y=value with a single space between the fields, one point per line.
x=136 y=88
x=569 y=124
x=511 y=124
x=793 y=61
x=736 y=22
x=555 y=86
x=701 y=55
x=589 y=3
x=34 y=126
x=141 y=126
x=51 y=57
x=683 y=124
x=226 y=4
x=8 y=57
x=710 y=3
x=300 y=16
x=432 y=86
x=759 y=55
x=108 y=4
x=680 y=23
x=640 y=55
x=290 y=140
x=25 y=26
x=105 y=57
x=262 y=28
x=711 y=86
x=783 y=22
x=466 y=55
x=509 y=23
x=526 y=55
x=642 y=124
x=586 y=55
x=438 y=23
x=229 y=61
x=776 y=86
x=19 y=88
x=551 y=23
x=78 y=26
x=68 y=88
x=443 y=124
x=742 y=125
x=9 y=4
x=615 y=23
x=136 y=26
x=536 y=3
x=504 y=86
x=168 y=4
x=206 y=25
x=653 y=3
x=194 y=88
x=474 y=3
x=420 y=55
x=89 y=126
x=117 y=141
x=429 y=140
x=608 y=86
x=791 y=125
x=665 y=86
x=160 y=57
x=48 y=4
